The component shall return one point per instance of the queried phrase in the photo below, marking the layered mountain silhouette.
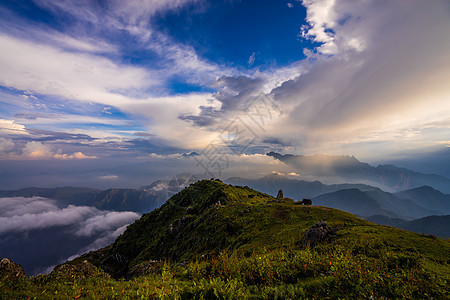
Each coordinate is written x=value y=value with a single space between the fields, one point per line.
x=360 y=199
x=141 y=200
x=111 y=199
x=368 y=202
x=373 y=202
x=436 y=225
x=293 y=188
x=350 y=169
x=210 y=217
x=428 y=197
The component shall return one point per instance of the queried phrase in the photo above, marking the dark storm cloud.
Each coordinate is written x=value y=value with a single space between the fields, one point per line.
x=208 y=116
x=276 y=141
x=235 y=94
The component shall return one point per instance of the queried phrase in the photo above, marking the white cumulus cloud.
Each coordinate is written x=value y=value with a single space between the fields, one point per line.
x=11 y=127
x=381 y=68
x=38 y=150
x=6 y=145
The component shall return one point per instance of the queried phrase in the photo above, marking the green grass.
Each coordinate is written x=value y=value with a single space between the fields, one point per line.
x=328 y=271
x=246 y=248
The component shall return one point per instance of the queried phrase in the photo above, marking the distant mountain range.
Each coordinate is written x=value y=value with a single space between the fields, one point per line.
x=434 y=199
x=293 y=188
x=362 y=200
x=141 y=201
x=355 y=198
x=350 y=169
x=374 y=202
x=436 y=225
x=422 y=209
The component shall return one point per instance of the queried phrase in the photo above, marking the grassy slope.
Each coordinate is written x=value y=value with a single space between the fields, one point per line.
x=200 y=226
x=253 y=249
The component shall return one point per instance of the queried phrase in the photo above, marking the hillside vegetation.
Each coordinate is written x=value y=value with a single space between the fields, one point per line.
x=214 y=240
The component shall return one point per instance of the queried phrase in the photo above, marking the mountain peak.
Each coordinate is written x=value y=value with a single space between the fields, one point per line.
x=206 y=217
x=426 y=188
x=350 y=169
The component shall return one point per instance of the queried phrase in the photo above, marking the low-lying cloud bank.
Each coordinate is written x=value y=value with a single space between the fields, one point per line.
x=30 y=221
x=25 y=214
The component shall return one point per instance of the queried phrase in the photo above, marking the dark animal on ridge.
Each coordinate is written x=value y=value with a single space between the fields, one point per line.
x=306 y=202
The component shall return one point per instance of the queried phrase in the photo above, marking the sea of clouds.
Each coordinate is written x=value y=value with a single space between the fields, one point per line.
x=30 y=221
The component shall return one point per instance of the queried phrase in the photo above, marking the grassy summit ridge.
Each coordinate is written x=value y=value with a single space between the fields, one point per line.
x=209 y=217
x=214 y=240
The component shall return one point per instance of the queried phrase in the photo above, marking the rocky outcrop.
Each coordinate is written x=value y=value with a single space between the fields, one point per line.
x=80 y=270
x=317 y=233
x=11 y=270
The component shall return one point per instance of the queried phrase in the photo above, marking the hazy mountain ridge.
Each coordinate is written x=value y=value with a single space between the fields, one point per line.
x=375 y=202
x=59 y=193
x=353 y=201
x=434 y=198
x=350 y=169
x=293 y=188
x=360 y=199
x=436 y=225
x=141 y=201
x=409 y=204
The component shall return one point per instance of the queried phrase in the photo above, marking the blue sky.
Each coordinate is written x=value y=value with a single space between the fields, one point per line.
x=110 y=84
x=269 y=29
